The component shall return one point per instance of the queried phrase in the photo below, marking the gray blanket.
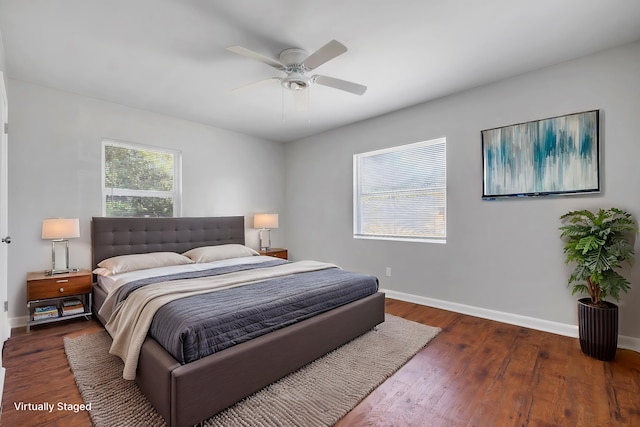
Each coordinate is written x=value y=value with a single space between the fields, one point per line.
x=197 y=326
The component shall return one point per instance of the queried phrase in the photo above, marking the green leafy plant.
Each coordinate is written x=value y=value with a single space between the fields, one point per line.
x=598 y=243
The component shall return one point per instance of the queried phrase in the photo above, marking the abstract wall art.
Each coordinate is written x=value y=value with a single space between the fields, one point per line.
x=554 y=156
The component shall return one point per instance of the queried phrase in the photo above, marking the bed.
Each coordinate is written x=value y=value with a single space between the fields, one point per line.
x=186 y=394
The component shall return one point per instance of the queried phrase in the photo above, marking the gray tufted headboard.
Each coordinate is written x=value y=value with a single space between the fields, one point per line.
x=123 y=236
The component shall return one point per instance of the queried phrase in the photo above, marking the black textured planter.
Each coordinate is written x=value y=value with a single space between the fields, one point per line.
x=598 y=329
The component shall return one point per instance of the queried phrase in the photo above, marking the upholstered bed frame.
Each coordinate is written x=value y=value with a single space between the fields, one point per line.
x=187 y=394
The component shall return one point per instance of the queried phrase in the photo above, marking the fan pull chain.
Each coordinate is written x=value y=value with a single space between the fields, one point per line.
x=282 y=103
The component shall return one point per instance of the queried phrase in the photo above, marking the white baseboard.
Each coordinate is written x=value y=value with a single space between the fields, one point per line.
x=18 y=322
x=630 y=343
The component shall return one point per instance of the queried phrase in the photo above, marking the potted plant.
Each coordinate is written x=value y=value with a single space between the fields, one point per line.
x=598 y=243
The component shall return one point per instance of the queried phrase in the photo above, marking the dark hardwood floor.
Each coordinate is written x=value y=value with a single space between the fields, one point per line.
x=37 y=371
x=475 y=373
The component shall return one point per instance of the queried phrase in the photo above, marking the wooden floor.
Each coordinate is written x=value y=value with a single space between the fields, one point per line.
x=475 y=373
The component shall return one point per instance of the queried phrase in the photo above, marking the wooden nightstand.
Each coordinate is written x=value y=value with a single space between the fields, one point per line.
x=276 y=252
x=43 y=290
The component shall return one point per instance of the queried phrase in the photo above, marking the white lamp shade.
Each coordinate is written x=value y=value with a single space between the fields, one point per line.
x=60 y=228
x=265 y=221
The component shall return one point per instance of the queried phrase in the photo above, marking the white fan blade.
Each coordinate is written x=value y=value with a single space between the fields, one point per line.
x=301 y=99
x=324 y=54
x=340 y=84
x=257 y=56
x=256 y=85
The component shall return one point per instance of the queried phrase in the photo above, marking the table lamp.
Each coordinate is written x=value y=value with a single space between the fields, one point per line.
x=265 y=222
x=59 y=230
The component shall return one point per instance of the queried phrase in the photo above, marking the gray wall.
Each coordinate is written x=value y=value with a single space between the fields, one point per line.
x=55 y=171
x=3 y=63
x=501 y=255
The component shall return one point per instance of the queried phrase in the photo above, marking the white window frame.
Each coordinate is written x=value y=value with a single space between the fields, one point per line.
x=176 y=194
x=357 y=194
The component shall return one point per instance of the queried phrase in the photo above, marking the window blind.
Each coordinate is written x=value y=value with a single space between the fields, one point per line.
x=400 y=193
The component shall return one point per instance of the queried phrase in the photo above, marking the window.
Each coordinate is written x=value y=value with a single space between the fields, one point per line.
x=140 y=181
x=400 y=193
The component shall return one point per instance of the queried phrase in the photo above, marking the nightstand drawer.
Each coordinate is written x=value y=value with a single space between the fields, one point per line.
x=280 y=254
x=55 y=287
x=276 y=252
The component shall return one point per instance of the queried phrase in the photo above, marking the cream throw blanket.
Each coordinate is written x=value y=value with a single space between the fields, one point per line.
x=130 y=321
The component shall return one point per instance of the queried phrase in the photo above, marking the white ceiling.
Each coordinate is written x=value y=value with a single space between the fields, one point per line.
x=170 y=57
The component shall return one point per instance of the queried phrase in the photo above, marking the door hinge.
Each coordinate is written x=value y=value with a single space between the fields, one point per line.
x=6 y=128
x=6 y=306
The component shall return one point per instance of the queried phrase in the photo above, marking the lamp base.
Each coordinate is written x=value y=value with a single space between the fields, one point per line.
x=265 y=239
x=62 y=271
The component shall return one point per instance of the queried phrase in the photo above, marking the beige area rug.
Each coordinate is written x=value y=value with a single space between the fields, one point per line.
x=318 y=394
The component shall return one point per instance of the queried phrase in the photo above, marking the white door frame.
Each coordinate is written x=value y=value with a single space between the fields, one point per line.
x=5 y=329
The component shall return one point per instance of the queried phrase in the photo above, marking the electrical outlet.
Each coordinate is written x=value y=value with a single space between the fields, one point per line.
x=388 y=272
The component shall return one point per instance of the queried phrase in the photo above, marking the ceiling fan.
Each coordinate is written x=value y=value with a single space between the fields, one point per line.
x=296 y=63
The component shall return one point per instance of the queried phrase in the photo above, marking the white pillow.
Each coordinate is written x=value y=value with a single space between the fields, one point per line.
x=216 y=253
x=102 y=272
x=126 y=263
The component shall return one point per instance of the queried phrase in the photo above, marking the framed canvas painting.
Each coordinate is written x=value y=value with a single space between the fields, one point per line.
x=554 y=156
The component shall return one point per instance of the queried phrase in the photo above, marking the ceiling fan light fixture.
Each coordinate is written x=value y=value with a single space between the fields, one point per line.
x=295 y=82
